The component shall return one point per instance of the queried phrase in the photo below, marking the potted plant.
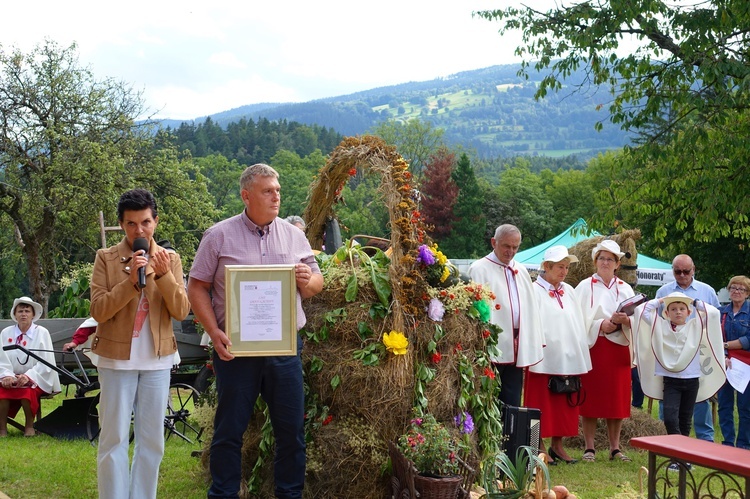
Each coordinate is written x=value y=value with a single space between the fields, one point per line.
x=434 y=452
x=507 y=479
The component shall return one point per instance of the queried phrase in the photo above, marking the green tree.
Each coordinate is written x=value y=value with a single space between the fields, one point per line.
x=363 y=211
x=572 y=194
x=223 y=178
x=465 y=241
x=496 y=210
x=679 y=75
x=69 y=146
x=296 y=175
x=415 y=140
x=530 y=208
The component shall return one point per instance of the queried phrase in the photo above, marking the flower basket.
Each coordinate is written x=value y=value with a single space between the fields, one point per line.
x=407 y=480
x=437 y=488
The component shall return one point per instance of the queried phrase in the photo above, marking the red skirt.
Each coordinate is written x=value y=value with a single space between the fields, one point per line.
x=558 y=418
x=16 y=395
x=607 y=385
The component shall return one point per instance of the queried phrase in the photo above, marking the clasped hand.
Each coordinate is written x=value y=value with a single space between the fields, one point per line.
x=15 y=382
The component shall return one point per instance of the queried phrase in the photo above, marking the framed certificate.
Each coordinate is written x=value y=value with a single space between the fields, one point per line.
x=261 y=310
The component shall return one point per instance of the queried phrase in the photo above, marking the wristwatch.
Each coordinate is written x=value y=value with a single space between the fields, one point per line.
x=726 y=346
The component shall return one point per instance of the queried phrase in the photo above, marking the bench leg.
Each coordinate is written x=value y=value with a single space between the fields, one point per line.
x=651 y=472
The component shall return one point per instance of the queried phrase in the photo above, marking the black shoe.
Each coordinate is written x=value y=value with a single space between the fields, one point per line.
x=676 y=467
x=556 y=457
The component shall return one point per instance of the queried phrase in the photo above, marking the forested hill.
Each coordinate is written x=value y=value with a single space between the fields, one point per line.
x=491 y=110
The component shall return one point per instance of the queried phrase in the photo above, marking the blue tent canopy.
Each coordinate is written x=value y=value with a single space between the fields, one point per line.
x=651 y=272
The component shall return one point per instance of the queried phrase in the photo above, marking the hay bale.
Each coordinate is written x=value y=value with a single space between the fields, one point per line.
x=585 y=266
x=639 y=424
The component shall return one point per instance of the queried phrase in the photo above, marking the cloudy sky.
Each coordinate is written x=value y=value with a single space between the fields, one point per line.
x=194 y=58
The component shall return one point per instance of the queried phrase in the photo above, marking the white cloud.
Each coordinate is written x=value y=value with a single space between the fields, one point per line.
x=226 y=59
x=193 y=58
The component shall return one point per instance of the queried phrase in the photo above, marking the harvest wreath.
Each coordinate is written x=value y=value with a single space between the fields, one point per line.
x=387 y=338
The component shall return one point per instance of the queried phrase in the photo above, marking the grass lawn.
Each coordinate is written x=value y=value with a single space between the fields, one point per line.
x=46 y=467
x=43 y=467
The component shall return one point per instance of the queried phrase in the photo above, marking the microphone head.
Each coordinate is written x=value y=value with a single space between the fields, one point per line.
x=140 y=243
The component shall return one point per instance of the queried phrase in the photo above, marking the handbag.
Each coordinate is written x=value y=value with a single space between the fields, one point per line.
x=564 y=384
x=570 y=386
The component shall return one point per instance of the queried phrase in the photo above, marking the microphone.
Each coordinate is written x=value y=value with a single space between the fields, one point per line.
x=141 y=243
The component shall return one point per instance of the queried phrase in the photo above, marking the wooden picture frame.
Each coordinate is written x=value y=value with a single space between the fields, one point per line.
x=261 y=310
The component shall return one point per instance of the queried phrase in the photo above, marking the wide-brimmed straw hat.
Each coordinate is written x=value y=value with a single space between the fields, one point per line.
x=25 y=300
x=674 y=297
x=609 y=246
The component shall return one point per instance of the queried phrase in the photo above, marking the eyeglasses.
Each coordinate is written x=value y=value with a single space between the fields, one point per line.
x=682 y=272
x=606 y=260
x=737 y=288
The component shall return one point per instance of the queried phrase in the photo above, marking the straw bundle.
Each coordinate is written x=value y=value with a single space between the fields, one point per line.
x=585 y=266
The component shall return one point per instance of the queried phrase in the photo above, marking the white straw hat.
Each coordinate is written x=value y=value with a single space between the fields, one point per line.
x=558 y=253
x=609 y=246
x=674 y=297
x=25 y=300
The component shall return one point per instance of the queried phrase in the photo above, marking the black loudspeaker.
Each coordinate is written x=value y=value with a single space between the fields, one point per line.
x=332 y=235
x=521 y=426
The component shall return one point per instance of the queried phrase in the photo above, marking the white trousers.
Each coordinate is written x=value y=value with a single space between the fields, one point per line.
x=123 y=393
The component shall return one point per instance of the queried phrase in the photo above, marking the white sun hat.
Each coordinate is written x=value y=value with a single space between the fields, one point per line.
x=609 y=246
x=25 y=300
x=559 y=253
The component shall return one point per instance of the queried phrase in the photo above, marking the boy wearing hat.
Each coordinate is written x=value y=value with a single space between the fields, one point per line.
x=680 y=361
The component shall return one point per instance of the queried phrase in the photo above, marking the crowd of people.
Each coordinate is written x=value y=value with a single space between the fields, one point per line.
x=571 y=352
x=565 y=351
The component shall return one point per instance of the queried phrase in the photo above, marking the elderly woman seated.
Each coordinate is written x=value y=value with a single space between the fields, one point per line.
x=23 y=379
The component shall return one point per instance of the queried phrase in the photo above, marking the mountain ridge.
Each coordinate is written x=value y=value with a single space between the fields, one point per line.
x=491 y=110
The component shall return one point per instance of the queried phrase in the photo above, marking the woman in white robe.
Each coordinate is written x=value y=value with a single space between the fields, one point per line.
x=566 y=352
x=31 y=378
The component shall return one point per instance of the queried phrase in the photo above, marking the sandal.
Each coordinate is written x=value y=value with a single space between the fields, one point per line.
x=617 y=454
x=589 y=456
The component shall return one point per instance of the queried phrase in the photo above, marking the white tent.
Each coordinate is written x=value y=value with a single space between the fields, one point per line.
x=651 y=272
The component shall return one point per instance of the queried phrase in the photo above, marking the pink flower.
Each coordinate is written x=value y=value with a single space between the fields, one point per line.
x=435 y=310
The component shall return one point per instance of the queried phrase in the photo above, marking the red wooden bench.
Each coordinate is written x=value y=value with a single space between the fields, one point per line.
x=728 y=464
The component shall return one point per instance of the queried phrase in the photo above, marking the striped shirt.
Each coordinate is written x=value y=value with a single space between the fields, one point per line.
x=238 y=241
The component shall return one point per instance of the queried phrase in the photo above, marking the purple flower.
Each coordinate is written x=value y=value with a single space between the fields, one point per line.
x=425 y=256
x=465 y=422
x=435 y=310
